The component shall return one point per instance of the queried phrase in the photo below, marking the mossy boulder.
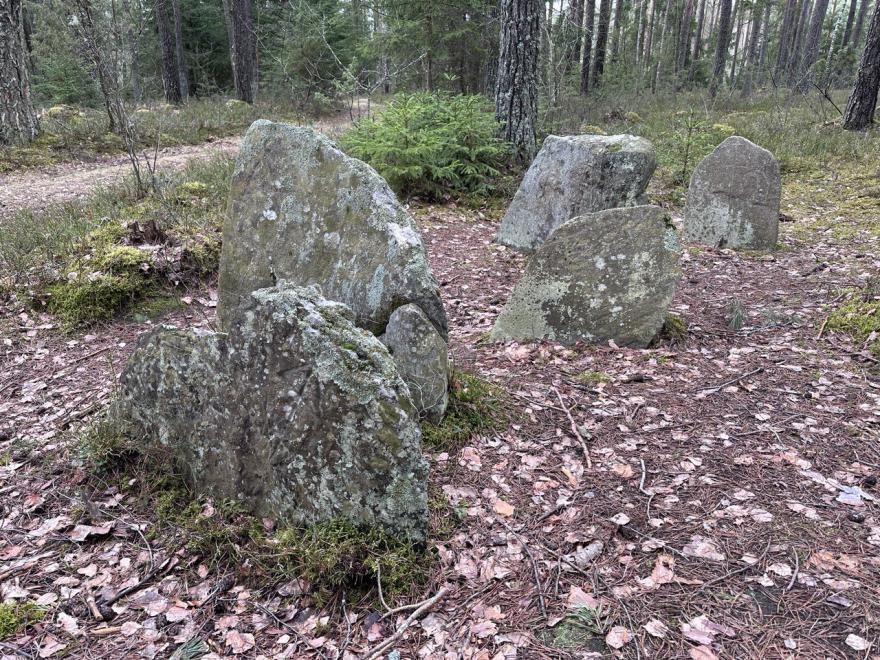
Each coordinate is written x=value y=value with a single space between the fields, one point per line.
x=302 y=211
x=604 y=276
x=295 y=411
x=572 y=176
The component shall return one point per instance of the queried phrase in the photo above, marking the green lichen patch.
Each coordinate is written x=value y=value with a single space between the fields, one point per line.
x=859 y=317
x=475 y=406
x=16 y=616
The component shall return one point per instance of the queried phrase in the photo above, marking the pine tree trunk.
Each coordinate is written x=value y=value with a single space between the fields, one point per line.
x=576 y=22
x=243 y=48
x=18 y=120
x=183 y=75
x=516 y=91
x=850 y=21
x=738 y=21
x=133 y=55
x=698 y=40
x=618 y=28
x=724 y=30
x=862 y=103
x=785 y=31
x=601 y=40
x=860 y=24
x=752 y=53
x=167 y=43
x=684 y=36
x=587 y=49
x=811 y=51
x=797 y=48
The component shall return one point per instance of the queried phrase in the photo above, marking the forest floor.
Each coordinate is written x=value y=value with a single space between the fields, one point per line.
x=725 y=505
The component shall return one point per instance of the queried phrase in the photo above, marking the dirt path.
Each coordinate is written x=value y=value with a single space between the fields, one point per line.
x=38 y=188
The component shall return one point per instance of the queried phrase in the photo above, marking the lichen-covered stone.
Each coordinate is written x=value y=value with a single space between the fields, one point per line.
x=295 y=411
x=606 y=275
x=572 y=176
x=733 y=198
x=301 y=210
x=422 y=359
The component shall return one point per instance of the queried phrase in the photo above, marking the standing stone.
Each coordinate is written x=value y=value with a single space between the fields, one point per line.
x=606 y=275
x=301 y=210
x=295 y=411
x=572 y=176
x=733 y=198
x=422 y=359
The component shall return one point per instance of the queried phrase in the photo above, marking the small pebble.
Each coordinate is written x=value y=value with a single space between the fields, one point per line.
x=857 y=517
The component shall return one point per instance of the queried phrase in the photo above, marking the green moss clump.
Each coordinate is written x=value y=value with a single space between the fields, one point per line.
x=339 y=553
x=592 y=378
x=121 y=259
x=632 y=117
x=674 y=328
x=200 y=256
x=859 y=316
x=85 y=301
x=583 y=629
x=14 y=617
x=475 y=406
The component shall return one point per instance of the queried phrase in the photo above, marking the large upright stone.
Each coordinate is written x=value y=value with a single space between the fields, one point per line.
x=422 y=358
x=295 y=411
x=606 y=275
x=301 y=210
x=572 y=176
x=733 y=198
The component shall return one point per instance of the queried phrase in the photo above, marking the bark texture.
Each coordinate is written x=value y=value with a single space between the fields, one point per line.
x=18 y=121
x=242 y=47
x=724 y=29
x=516 y=90
x=168 y=43
x=601 y=40
x=862 y=103
x=587 y=52
x=811 y=51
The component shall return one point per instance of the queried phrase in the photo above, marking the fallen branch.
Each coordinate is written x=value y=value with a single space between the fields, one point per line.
x=742 y=569
x=575 y=430
x=643 y=491
x=423 y=607
x=534 y=568
x=715 y=388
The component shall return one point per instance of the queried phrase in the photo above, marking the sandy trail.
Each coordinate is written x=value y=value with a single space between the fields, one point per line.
x=41 y=187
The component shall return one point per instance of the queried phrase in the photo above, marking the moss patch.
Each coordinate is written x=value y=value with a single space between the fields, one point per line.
x=15 y=617
x=583 y=629
x=592 y=378
x=475 y=406
x=674 y=329
x=859 y=317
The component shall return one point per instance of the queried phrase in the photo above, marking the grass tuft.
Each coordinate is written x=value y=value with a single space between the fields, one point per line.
x=475 y=406
x=859 y=317
x=15 y=617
